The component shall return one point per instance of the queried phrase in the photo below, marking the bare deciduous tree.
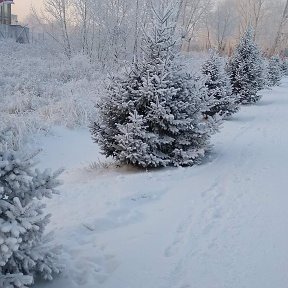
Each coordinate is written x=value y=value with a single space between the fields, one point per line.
x=109 y=31
x=223 y=23
x=191 y=15
x=58 y=12
x=251 y=13
x=283 y=22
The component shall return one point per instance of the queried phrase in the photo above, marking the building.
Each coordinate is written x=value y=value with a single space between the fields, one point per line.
x=9 y=27
x=5 y=12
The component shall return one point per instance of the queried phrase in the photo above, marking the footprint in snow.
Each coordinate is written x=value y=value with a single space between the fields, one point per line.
x=114 y=219
x=91 y=270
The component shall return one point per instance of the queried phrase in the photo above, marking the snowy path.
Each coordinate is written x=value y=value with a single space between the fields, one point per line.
x=222 y=224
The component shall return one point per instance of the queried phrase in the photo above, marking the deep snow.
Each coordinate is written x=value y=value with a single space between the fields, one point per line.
x=221 y=224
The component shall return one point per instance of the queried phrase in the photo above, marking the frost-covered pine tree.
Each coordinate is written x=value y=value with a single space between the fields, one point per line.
x=274 y=73
x=246 y=69
x=219 y=87
x=152 y=116
x=284 y=67
x=24 y=251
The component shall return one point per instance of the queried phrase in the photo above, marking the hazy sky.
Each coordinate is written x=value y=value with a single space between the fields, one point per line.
x=22 y=7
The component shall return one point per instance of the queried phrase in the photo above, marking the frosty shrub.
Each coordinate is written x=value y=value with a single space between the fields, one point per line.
x=39 y=89
x=246 y=69
x=219 y=87
x=152 y=115
x=25 y=253
x=274 y=73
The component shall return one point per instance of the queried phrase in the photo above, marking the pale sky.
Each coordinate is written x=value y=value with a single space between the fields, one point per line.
x=22 y=7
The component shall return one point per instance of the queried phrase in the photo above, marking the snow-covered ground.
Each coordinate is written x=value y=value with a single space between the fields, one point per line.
x=223 y=224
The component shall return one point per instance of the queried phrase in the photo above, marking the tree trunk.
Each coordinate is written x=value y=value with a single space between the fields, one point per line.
x=280 y=29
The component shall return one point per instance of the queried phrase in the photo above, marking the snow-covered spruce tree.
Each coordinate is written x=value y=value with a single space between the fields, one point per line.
x=284 y=67
x=219 y=87
x=152 y=116
x=274 y=73
x=246 y=69
x=25 y=252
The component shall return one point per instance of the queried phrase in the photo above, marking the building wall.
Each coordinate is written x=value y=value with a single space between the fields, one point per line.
x=17 y=32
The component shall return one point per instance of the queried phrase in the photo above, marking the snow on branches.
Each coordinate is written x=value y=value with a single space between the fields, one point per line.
x=24 y=250
x=218 y=84
x=152 y=116
x=246 y=68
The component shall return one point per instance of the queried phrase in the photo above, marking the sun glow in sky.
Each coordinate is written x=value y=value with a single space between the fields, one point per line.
x=22 y=7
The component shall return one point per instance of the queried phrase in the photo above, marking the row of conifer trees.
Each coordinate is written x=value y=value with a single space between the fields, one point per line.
x=159 y=114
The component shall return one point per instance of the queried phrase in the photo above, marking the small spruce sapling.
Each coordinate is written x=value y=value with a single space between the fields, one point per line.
x=25 y=253
x=152 y=116
x=274 y=73
x=284 y=67
x=246 y=69
x=219 y=87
